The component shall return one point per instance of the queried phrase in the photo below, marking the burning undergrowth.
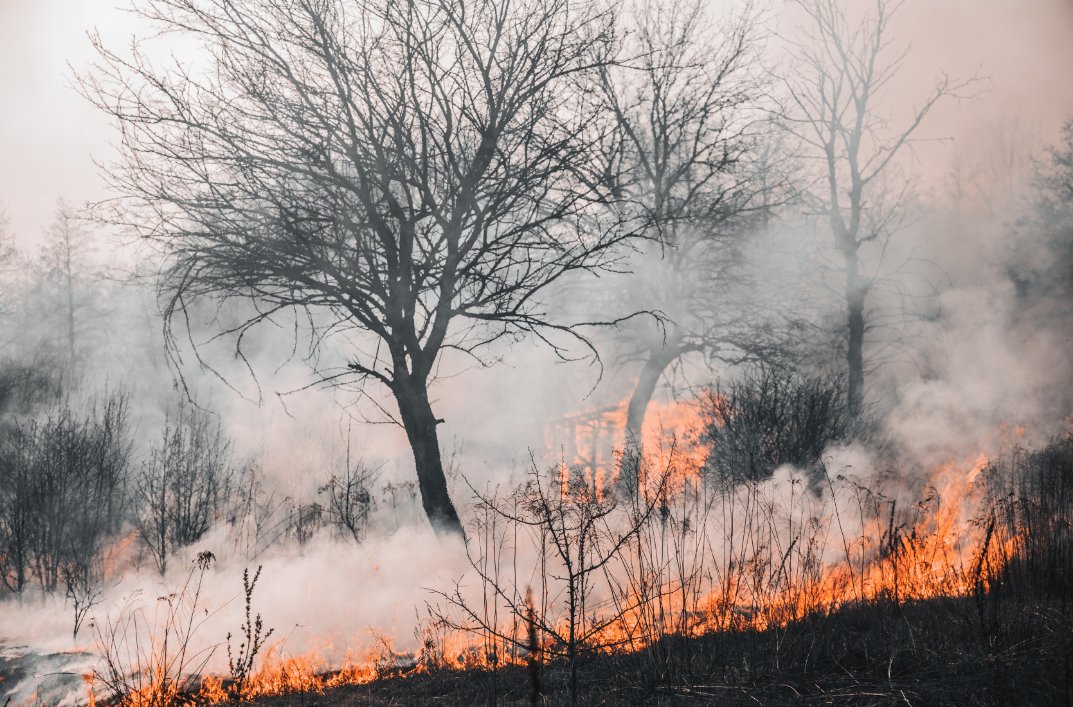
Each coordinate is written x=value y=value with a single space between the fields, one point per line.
x=753 y=515
x=877 y=535
x=573 y=569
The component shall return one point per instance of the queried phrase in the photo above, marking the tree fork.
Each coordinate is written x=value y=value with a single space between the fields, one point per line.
x=633 y=447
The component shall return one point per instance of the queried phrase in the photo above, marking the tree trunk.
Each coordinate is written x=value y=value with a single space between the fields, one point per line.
x=420 y=424
x=855 y=294
x=657 y=362
x=70 y=313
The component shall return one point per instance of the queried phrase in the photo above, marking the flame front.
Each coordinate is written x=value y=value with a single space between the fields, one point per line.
x=718 y=557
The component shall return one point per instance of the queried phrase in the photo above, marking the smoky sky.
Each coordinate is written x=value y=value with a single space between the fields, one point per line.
x=49 y=135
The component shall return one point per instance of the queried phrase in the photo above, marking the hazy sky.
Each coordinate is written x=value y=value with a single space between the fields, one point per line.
x=48 y=134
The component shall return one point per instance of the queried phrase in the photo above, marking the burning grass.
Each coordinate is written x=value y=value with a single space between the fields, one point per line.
x=796 y=589
x=936 y=652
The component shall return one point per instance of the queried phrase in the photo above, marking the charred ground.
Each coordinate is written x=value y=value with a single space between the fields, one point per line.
x=987 y=650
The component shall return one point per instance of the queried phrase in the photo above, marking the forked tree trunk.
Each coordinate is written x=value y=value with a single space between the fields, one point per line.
x=636 y=409
x=420 y=424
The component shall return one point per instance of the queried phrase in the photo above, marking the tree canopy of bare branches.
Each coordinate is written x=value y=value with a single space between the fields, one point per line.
x=416 y=170
x=689 y=170
x=65 y=277
x=839 y=90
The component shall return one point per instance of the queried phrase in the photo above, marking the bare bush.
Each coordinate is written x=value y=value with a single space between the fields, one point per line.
x=83 y=596
x=350 y=500
x=27 y=384
x=183 y=486
x=259 y=517
x=256 y=514
x=770 y=417
x=399 y=495
x=578 y=528
x=62 y=495
x=305 y=520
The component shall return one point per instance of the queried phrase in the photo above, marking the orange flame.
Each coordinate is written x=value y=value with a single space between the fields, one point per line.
x=786 y=552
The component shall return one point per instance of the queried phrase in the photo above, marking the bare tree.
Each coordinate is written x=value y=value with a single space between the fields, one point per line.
x=7 y=244
x=579 y=529
x=415 y=170
x=838 y=85
x=686 y=107
x=8 y=257
x=63 y=258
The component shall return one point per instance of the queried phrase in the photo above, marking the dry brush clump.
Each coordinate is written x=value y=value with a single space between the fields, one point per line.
x=259 y=517
x=350 y=500
x=769 y=417
x=63 y=495
x=183 y=485
x=1031 y=497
